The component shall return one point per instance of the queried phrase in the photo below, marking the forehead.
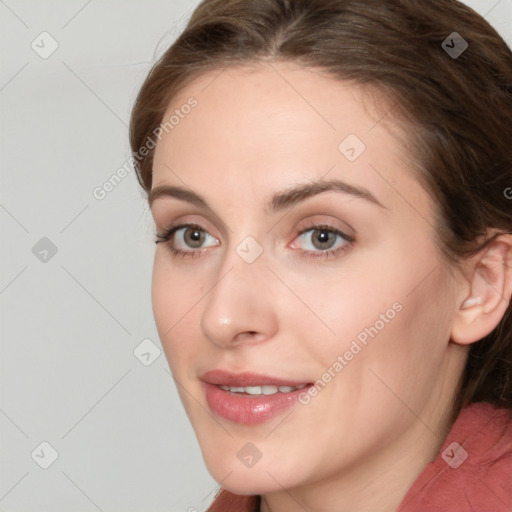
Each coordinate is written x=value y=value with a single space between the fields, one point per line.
x=267 y=124
x=253 y=104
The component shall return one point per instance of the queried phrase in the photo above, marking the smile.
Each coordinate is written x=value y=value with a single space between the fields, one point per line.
x=262 y=390
x=247 y=398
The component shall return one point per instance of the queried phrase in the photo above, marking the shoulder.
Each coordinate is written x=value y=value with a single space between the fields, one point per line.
x=473 y=469
x=226 y=501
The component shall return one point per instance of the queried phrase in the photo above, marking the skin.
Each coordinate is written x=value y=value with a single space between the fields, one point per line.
x=362 y=441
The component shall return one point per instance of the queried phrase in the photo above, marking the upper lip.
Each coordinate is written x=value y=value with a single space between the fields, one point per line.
x=243 y=379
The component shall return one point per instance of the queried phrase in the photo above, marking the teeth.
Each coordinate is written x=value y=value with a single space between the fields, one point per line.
x=261 y=390
x=253 y=390
x=269 y=390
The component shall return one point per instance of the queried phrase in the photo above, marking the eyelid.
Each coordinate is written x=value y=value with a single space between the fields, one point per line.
x=171 y=213
x=348 y=239
x=198 y=227
x=170 y=231
x=319 y=221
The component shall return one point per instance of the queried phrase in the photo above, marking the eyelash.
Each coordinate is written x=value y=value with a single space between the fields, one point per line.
x=167 y=235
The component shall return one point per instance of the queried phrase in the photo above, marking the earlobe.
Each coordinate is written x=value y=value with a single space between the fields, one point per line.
x=490 y=291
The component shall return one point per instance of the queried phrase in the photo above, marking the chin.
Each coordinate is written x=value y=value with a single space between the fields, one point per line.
x=246 y=482
x=265 y=476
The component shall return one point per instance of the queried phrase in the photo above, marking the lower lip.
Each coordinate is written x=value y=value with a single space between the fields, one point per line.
x=249 y=409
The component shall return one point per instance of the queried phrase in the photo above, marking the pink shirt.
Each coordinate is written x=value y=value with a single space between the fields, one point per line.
x=472 y=472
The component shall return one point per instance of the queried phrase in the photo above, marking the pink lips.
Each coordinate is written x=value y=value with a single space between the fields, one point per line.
x=243 y=408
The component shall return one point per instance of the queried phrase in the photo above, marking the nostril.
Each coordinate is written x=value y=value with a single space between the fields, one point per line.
x=248 y=336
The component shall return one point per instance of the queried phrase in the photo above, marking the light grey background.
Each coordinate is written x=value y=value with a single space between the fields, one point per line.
x=71 y=321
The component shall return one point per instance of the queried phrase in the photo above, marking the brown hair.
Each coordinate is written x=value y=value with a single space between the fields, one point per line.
x=457 y=110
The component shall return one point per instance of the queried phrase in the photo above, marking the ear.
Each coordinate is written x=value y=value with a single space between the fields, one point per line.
x=490 y=283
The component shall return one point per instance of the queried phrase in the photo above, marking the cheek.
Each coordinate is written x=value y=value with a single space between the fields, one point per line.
x=405 y=339
x=346 y=305
x=173 y=298
x=163 y=297
x=174 y=291
x=389 y=316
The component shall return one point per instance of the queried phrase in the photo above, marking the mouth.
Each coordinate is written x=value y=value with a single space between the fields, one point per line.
x=248 y=398
x=266 y=389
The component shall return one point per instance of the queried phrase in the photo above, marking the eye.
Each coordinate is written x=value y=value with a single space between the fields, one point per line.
x=322 y=241
x=317 y=241
x=187 y=239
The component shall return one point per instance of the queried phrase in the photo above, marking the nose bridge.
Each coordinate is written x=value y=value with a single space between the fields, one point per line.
x=239 y=301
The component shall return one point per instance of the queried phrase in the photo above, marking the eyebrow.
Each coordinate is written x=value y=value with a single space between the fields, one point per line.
x=279 y=201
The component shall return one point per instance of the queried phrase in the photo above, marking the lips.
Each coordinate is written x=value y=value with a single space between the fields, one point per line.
x=249 y=398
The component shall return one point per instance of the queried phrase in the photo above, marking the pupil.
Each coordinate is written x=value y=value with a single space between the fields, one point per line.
x=194 y=237
x=323 y=239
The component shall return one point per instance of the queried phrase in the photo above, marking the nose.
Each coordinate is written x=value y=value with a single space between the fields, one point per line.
x=241 y=306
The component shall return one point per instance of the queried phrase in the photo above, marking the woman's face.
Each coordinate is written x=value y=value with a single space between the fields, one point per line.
x=311 y=259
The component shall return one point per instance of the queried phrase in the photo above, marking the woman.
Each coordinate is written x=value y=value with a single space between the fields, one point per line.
x=331 y=187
